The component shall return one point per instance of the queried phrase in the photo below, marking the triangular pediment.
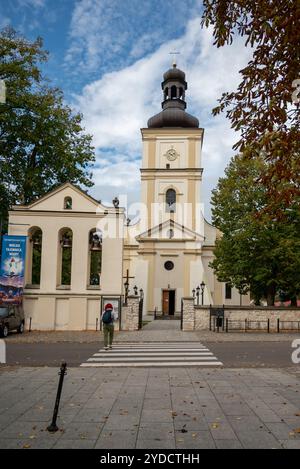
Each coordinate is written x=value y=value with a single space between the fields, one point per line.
x=54 y=201
x=169 y=230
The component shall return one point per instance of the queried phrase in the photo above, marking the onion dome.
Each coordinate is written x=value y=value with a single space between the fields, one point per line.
x=173 y=105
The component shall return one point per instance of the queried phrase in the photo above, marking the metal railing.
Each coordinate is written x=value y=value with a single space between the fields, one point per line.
x=288 y=326
x=247 y=325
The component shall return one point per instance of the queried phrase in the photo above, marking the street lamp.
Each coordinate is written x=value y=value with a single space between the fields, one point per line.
x=135 y=289
x=194 y=293
x=126 y=286
x=197 y=294
x=202 y=285
x=142 y=293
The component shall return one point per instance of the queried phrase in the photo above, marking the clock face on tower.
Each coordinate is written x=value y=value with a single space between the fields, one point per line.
x=171 y=154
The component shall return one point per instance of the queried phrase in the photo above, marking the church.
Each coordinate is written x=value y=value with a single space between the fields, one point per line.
x=81 y=253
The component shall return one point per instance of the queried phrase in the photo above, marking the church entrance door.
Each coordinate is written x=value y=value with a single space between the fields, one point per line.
x=168 y=302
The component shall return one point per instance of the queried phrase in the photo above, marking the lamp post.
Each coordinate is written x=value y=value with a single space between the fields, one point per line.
x=197 y=294
x=202 y=285
x=126 y=286
x=142 y=293
x=194 y=293
x=135 y=289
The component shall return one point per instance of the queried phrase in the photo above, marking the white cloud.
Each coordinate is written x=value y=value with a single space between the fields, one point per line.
x=120 y=103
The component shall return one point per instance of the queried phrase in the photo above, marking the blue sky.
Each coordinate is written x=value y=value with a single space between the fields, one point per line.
x=108 y=56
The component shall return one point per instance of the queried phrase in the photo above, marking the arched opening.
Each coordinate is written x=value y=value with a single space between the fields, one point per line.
x=66 y=243
x=166 y=93
x=68 y=203
x=35 y=257
x=173 y=92
x=170 y=201
x=181 y=92
x=95 y=257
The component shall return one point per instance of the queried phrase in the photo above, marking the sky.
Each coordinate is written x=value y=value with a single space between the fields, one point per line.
x=108 y=57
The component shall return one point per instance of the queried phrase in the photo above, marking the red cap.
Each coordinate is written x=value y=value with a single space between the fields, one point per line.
x=108 y=306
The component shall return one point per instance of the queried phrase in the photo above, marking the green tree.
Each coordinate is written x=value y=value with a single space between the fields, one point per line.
x=42 y=142
x=265 y=108
x=255 y=252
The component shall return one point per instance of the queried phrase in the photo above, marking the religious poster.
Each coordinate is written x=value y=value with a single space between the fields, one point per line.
x=12 y=269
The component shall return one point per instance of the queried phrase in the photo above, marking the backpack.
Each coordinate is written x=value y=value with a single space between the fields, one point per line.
x=107 y=317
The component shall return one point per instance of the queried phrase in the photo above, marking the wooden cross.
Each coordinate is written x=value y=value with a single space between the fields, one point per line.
x=126 y=284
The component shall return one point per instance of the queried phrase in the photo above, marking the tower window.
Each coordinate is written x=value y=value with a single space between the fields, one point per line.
x=68 y=203
x=170 y=201
x=166 y=93
x=173 y=92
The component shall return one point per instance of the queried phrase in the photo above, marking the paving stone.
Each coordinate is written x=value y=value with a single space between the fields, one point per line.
x=280 y=430
x=156 y=403
x=64 y=443
x=124 y=422
x=117 y=439
x=290 y=444
x=161 y=415
x=194 y=439
x=155 y=444
x=156 y=432
x=222 y=430
x=228 y=444
x=82 y=431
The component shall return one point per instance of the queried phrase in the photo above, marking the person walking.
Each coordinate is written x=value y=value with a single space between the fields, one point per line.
x=108 y=317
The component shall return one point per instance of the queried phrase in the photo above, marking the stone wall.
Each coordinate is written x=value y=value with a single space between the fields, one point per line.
x=197 y=317
x=130 y=314
x=188 y=318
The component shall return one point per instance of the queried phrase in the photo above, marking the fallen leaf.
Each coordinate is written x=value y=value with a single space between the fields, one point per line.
x=32 y=437
x=26 y=446
x=215 y=425
x=297 y=430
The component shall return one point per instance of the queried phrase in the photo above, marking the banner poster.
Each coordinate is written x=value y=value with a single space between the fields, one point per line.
x=12 y=269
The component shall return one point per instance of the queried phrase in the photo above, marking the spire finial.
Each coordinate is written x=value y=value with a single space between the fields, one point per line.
x=174 y=60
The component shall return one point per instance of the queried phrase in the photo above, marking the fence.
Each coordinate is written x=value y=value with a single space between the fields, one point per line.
x=288 y=326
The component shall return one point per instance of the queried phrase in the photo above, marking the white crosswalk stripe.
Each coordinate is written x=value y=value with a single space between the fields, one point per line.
x=153 y=355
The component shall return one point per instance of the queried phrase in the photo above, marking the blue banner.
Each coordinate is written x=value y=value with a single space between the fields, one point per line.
x=12 y=269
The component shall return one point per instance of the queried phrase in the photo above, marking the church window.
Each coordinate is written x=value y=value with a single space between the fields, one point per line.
x=173 y=92
x=68 y=203
x=166 y=93
x=169 y=265
x=36 y=255
x=66 y=242
x=228 y=291
x=170 y=201
x=95 y=257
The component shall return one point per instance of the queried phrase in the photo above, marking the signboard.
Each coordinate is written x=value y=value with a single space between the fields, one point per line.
x=12 y=269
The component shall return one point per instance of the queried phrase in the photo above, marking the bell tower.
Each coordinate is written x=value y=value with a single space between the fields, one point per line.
x=171 y=170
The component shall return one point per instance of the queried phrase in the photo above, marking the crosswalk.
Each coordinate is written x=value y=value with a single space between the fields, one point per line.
x=130 y=354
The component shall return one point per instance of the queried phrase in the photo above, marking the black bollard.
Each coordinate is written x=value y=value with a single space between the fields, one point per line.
x=96 y=324
x=30 y=324
x=63 y=370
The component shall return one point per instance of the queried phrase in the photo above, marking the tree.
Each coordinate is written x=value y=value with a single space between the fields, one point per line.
x=255 y=252
x=265 y=108
x=42 y=142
